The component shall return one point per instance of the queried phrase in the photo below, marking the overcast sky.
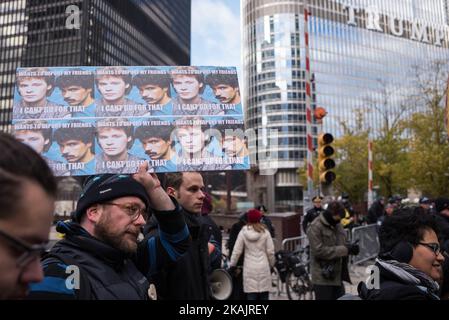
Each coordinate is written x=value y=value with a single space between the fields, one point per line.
x=215 y=33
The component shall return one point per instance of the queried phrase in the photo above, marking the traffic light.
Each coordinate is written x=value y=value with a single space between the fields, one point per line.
x=325 y=162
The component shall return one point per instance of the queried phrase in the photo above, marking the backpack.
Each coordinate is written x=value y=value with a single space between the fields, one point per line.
x=282 y=263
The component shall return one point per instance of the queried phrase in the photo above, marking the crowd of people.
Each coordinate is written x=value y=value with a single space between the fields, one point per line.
x=413 y=239
x=181 y=244
x=133 y=236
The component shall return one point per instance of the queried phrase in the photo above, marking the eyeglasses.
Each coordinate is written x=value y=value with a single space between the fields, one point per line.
x=133 y=210
x=435 y=247
x=28 y=252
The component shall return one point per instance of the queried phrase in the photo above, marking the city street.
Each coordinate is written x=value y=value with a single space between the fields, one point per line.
x=310 y=133
x=357 y=274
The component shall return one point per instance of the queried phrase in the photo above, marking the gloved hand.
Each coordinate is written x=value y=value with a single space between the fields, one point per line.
x=232 y=270
x=353 y=249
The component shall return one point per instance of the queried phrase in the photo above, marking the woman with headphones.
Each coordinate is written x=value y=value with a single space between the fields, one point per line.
x=409 y=266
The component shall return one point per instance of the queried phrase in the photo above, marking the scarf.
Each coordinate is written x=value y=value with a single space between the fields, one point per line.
x=328 y=217
x=410 y=275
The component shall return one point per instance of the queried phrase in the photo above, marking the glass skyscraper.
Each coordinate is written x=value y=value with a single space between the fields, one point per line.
x=34 y=33
x=361 y=52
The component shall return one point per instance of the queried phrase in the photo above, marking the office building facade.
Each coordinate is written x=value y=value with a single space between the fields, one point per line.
x=37 y=33
x=361 y=51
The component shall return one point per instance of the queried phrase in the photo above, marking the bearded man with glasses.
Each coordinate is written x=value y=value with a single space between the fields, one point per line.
x=409 y=266
x=101 y=256
x=27 y=195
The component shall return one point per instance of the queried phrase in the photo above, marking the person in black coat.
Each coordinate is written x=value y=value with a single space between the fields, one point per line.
x=188 y=278
x=376 y=211
x=102 y=241
x=442 y=218
x=410 y=261
x=212 y=227
x=311 y=214
x=265 y=219
x=237 y=276
x=426 y=204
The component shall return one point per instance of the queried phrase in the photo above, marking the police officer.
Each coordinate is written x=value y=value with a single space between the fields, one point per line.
x=311 y=214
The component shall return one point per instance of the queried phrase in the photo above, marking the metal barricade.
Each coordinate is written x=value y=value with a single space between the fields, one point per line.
x=348 y=234
x=295 y=243
x=368 y=242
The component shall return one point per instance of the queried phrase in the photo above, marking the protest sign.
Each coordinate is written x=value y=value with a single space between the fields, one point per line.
x=89 y=120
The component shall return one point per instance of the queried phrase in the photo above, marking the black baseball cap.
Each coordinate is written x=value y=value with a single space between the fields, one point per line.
x=424 y=200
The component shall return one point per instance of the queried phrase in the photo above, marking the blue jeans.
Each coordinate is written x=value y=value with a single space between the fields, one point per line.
x=257 y=295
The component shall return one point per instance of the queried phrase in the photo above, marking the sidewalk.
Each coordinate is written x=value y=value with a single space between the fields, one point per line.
x=356 y=272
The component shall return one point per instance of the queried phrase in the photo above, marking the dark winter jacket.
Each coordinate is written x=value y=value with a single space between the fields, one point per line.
x=311 y=214
x=188 y=278
x=443 y=225
x=375 y=212
x=105 y=272
x=399 y=281
x=215 y=238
